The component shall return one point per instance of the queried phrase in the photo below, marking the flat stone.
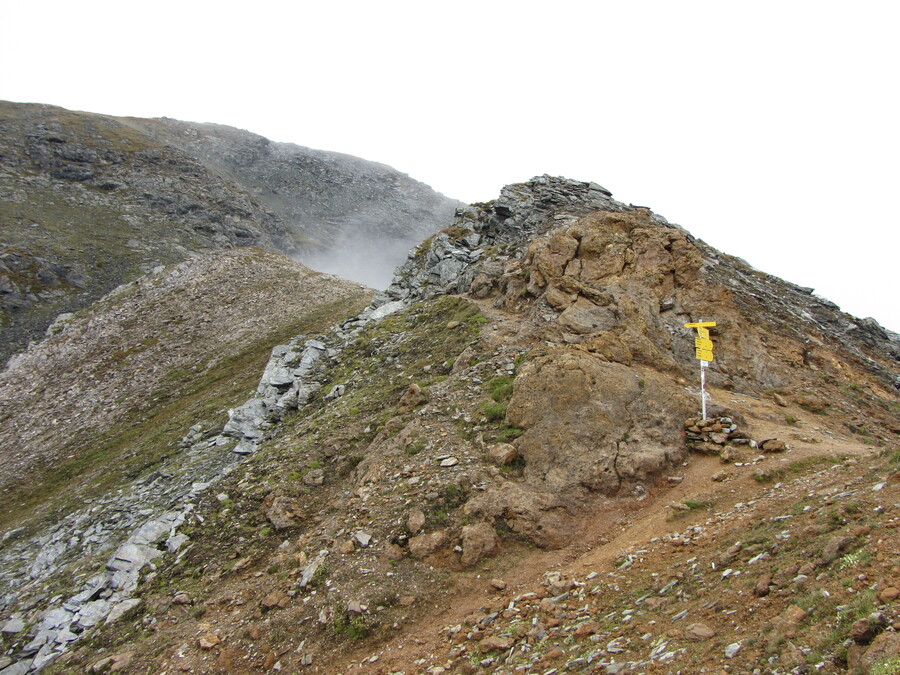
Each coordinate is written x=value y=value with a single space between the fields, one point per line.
x=13 y=626
x=310 y=570
x=56 y=618
x=92 y=613
x=450 y=461
x=132 y=557
x=119 y=610
x=502 y=454
x=157 y=529
x=362 y=538
x=209 y=640
x=278 y=599
x=65 y=635
x=44 y=657
x=495 y=642
x=699 y=631
x=18 y=668
x=176 y=541
x=415 y=521
x=732 y=650
x=386 y=310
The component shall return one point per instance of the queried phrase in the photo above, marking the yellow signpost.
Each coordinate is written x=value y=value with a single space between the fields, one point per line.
x=703 y=350
x=703 y=355
x=704 y=343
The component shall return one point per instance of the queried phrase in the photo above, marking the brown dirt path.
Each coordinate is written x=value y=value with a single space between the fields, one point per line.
x=617 y=525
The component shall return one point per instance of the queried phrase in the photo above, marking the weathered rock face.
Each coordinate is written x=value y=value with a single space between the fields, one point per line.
x=88 y=202
x=594 y=425
x=621 y=282
x=344 y=215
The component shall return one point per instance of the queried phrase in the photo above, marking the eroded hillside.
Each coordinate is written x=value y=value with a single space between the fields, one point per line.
x=88 y=202
x=494 y=468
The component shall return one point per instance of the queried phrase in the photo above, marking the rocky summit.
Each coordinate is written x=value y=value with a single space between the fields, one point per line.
x=88 y=202
x=496 y=464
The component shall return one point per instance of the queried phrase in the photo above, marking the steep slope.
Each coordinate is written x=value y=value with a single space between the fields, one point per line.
x=346 y=215
x=107 y=396
x=88 y=202
x=516 y=403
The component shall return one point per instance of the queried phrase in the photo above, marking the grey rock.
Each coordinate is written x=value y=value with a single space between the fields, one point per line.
x=155 y=530
x=245 y=447
x=125 y=580
x=18 y=668
x=362 y=538
x=54 y=618
x=176 y=541
x=247 y=420
x=65 y=636
x=132 y=556
x=45 y=656
x=10 y=534
x=122 y=608
x=385 y=310
x=336 y=392
x=306 y=391
x=616 y=668
x=92 y=613
x=310 y=570
x=14 y=625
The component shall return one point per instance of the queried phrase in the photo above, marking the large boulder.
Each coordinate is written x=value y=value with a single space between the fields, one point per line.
x=538 y=516
x=479 y=540
x=593 y=424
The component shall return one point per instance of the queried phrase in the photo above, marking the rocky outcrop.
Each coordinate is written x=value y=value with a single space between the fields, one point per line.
x=594 y=425
x=622 y=281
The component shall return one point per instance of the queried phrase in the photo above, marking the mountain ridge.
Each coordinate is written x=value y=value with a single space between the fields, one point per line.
x=518 y=404
x=92 y=201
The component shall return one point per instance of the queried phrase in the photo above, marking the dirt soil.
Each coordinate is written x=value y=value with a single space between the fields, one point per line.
x=625 y=526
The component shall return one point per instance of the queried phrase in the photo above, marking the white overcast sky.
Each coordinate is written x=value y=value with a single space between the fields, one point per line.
x=768 y=129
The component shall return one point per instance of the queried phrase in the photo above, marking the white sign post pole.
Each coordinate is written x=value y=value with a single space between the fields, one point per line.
x=704 y=352
x=703 y=365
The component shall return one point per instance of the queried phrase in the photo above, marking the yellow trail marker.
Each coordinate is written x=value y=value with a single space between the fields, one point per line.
x=703 y=347
x=704 y=344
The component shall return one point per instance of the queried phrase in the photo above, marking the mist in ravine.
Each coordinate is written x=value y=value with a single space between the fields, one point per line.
x=369 y=262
